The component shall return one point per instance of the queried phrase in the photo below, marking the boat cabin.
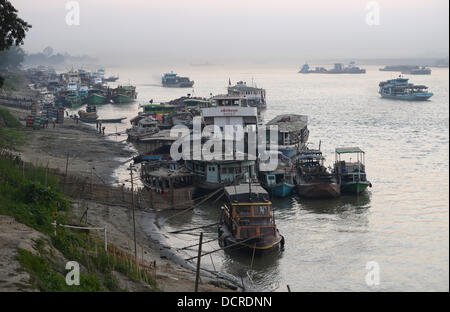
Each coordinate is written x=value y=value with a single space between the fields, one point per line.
x=247 y=214
x=350 y=170
x=229 y=110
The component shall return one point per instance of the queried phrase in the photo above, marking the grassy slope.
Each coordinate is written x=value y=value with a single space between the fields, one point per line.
x=10 y=130
x=33 y=197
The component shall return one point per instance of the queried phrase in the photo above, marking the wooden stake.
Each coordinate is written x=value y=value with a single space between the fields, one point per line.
x=197 y=275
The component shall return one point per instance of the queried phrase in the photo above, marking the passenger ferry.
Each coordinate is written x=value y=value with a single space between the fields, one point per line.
x=252 y=96
x=247 y=221
x=400 y=89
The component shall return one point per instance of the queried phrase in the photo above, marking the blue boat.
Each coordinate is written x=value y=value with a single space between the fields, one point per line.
x=400 y=89
x=279 y=182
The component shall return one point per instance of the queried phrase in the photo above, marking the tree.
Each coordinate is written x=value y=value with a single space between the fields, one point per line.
x=12 y=28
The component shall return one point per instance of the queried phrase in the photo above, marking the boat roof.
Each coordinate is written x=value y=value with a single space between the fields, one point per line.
x=348 y=150
x=241 y=193
x=289 y=122
x=242 y=86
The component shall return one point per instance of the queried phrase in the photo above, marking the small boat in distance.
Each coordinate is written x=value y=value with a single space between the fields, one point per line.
x=400 y=89
x=351 y=175
x=172 y=80
x=247 y=221
x=338 y=68
x=408 y=69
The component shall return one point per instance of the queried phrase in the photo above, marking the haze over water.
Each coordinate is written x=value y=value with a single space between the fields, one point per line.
x=402 y=223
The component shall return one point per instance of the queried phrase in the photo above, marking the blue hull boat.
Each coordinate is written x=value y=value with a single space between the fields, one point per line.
x=281 y=190
x=401 y=89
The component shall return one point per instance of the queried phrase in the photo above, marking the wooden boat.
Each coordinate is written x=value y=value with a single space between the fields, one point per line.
x=312 y=177
x=247 y=222
x=352 y=175
x=124 y=94
x=142 y=129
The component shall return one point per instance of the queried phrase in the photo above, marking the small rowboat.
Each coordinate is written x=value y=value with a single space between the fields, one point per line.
x=113 y=120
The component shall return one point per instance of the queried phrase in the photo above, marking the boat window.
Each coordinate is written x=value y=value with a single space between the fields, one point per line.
x=247 y=232
x=243 y=211
x=260 y=210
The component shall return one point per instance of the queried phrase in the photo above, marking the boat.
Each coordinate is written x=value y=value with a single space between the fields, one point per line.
x=252 y=96
x=142 y=129
x=352 y=175
x=96 y=97
x=211 y=175
x=338 y=68
x=89 y=114
x=124 y=94
x=111 y=79
x=418 y=71
x=313 y=180
x=408 y=69
x=73 y=99
x=247 y=220
x=172 y=80
x=400 y=89
x=293 y=133
x=279 y=182
x=182 y=118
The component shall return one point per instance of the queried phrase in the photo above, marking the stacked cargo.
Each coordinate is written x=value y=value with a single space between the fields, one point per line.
x=30 y=119
x=60 y=116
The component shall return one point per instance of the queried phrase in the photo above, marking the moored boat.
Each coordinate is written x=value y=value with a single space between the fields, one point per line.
x=124 y=94
x=352 y=175
x=247 y=222
x=313 y=180
x=142 y=129
x=279 y=182
x=96 y=97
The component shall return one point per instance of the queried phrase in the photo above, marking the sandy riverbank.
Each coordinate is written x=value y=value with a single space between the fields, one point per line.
x=86 y=148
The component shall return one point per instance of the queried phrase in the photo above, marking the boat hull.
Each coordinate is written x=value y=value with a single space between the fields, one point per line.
x=408 y=97
x=96 y=99
x=354 y=187
x=319 y=190
x=179 y=85
x=122 y=99
x=281 y=190
x=257 y=245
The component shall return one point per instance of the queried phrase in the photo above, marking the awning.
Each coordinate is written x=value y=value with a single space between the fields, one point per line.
x=348 y=150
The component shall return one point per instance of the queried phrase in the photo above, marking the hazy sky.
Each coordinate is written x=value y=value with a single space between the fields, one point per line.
x=196 y=31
